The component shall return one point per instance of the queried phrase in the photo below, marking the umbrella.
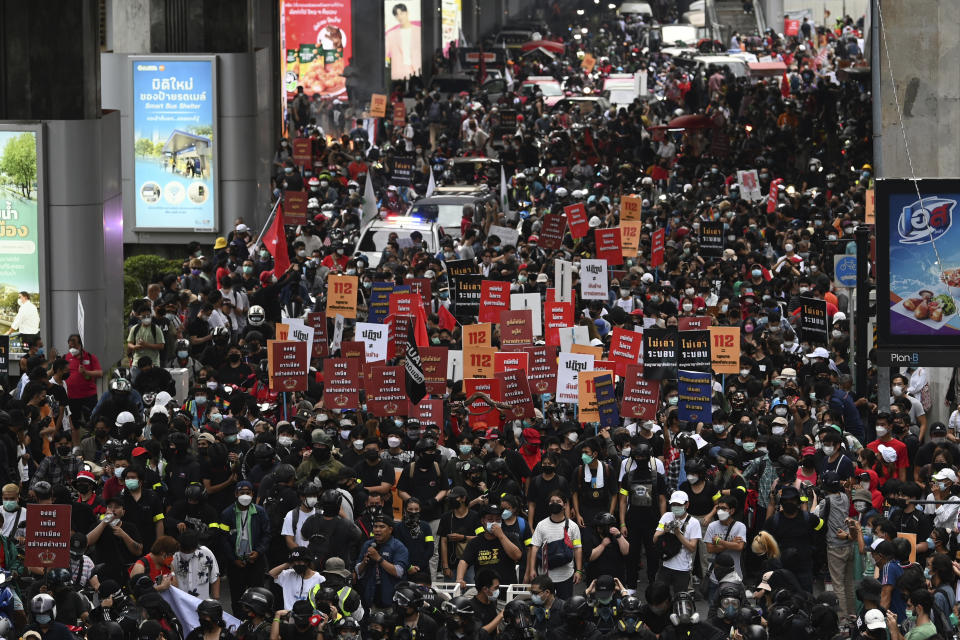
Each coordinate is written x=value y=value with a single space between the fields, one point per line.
x=692 y=122
x=549 y=45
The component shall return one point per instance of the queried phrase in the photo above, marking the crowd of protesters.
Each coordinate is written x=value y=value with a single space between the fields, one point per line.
x=799 y=509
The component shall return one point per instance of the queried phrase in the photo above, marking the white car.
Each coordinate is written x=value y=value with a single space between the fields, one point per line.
x=377 y=233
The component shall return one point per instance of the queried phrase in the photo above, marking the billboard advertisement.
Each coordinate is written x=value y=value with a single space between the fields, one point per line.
x=919 y=247
x=175 y=143
x=451 y=21
x=402 y=37
x=316 y=44
x=19 y=223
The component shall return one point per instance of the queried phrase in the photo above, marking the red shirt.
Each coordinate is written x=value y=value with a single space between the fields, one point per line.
x=902 y=460
x=335 y=262
x=79 y=387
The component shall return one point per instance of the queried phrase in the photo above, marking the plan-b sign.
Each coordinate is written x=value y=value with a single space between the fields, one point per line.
x=926 y=220
x=845 y=270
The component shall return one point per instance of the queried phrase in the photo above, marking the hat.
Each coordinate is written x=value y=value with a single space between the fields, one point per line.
x=86 y=475
x=457 y=492
x=246 y=435
x=862 y=495
x=820 y=352
x=244 y=484
x=319 y=436
x=808 y=451
x=220 y=243
x=646 y=278
x=889 y=454
x=299 y=553
x=729 y=254
x=242 y=228
x=139 y=451
x=596 y=342
x=839 y=316
x=723 y=560
x=531 y=435
x=787 y=372
x=945 y=474
x=789 y=492
x=107 y=588
x=594 y=222
x=874 y=620
x=938 y=428
x=679 y=497
x=492 y=434
x=604 y=587
x=765 y=581
x=335 y=566
x=780 y=420
x=490 y=510
x=228 y=426
x=206 y=437
x=542 y=277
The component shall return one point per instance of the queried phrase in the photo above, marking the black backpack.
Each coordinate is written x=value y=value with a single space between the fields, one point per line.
x=668 y=545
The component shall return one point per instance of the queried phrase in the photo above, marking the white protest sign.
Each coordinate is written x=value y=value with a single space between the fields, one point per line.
x=374 y=338
x=573 y=335
x=455 y=365
x=337 y=333
x=563 y=280
x=80 y=319
x=507 y=235
x=594 y=284
x=749 y=185
x=569 y=366
x=299 y=331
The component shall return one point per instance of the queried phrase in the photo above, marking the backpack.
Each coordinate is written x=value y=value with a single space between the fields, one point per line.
x=642 y=491
x=940 y=619
x=276 y=509
x=668 y=545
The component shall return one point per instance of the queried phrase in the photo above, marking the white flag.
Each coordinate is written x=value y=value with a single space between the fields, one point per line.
x=432 y=185
x=504 y=200
x=369 y=201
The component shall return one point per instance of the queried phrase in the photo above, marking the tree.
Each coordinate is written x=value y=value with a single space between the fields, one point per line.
x=143 y=147
x=19 y=161
x=205 y=130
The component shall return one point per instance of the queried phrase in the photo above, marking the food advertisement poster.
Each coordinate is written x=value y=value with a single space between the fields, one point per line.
x=19 y=233
x=175 y=143
x=920 y=250
x=401 y=38
x=451 y=17
x=316 y=44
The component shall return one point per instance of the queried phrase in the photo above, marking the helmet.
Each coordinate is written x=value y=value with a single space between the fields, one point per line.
x=459 y=606
x=517 y=614
x=604 y=519
x=307 y=488
x=58 y=577
x=284 y=473
x=255 y=315
x=259 y=600
x=124 y=417
x=576 y=609
x=44 y=608
x=121 y=372
x=193 y=492
x=320 y=594
x=498 y=465
x=562 y=192
x=210 y=608
x=788 y=465
x=407 y=595
x=220 y=332
x=628 y=617
x=263 y=452
x=183 y=344
x=120 y=385
x=729 y=455
x=684 y=610
x=330 y=500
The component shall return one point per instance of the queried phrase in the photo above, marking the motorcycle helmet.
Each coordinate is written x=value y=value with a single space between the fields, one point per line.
x=575 y=610
x=259 y=600
x=628 y=618
x=44 y=608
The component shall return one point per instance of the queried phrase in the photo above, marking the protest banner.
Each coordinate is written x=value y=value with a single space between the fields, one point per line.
x=482 y=415
x=562 y=281
x=556 y=316
x=404 y=304
x=378 y=308
x=510 y=360
x=531 y=301
x=516 y=329
x=587 y=396
x=577 y=219
x=375 y=340
x=660 y=353
x=552 y=231
x=694 y=323
x=342 y=296
x=318 y=321
x=626 y=347
x=813 y=321
x=711 y=238
x=478 y=362
x=693 y=351
x=398 y=332
x=594 y=283
x=631 y=209
x=385 y=393
x=287 y=364
x=695 y=390
x=725 y=349
x=569 y=366
x=657 y=240
x=608 y=246
x=434 y=361
x=477 y=335
x=423 y=288
x=428 y=412
x=341 y=383
x=494 y=298
x=607 y=409
x=47 y=541
x=542 y=368
x=630 y=238
x=641 y=397
x=515 y=391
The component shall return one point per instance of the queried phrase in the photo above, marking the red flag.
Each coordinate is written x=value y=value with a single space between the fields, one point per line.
x=275 y=241
x=447 y=321
x=420 y=328
x=785 y=86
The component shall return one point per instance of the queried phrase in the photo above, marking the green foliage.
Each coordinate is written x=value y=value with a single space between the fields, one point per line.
x=8 y=301
x=205 y=130
x=19 y=162
x=140 y=271
x=143 y=147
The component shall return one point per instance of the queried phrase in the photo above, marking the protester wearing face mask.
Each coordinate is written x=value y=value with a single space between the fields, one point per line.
x=157 y=564
x=558 y=538
x=293 y=521
x=296 y=578
x=885 y=438
x=245 y=545
x=676 y=569
x=794 y=531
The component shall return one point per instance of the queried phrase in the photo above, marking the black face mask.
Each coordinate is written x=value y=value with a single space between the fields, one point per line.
x=234 y=357
x=548 y=470
x=555 y=508
x=371 y=455
x=321 y=453
x=790 y=508
x=300 y=569
x=64 y=452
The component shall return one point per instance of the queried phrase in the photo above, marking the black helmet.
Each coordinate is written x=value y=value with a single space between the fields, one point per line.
x=604 y=519
x=628 y=616
x=381 y=618
x=308 y=488
x=348 y=623
x=407 y=595
x=498 y=465
x=642 y=450
x=630 y=605
x=694 y=467
x=459 y=606
x=56 y=578
x=263 y=453
x=211 y=609
x=284 y=473
x=259 y=600
x=426 y=444
x=330 y=500
x=517 y=614
x=729 y=455
x=193 y=492
x=576 y=609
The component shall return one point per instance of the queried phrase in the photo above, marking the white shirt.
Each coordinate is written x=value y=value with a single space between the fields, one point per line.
x=287 y=528
x=196 y=571
x=717 y=528
x=27 y=320
x=547 y=531
x=296 y=588
x=9 y=518
x=683 y=561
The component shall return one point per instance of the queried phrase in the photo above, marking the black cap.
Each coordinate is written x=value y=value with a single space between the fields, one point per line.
x=302 y=608
x=299 y=553
x=491 y=510
x=605 y=586
x=938 y=428
x=387 y=520
x=228 y=427
x=723 y=560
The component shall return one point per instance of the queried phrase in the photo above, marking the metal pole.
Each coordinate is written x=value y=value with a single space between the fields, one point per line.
x=859 y=329
x=883 y=372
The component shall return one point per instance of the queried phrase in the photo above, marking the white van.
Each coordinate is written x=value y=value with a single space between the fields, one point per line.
x=636 y=9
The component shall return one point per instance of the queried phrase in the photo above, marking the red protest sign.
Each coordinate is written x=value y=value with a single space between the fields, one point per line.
x=429 y=411
x=386 y=391
x=608 y=245
x=303 y=152
x=294 y=207
x=356 y=350
x=577 y=219
x=641 y=397
x=341 y=383
x=404 y=304
x=287 y=363
x=698 y=323
x=321 y=346
x=510 y=360
x=556 y=315
x=657 y=240
x=422 y=287
x=399 y=114
x=434 y=362
x=494 y=298
x=791 y=27
x=542 y=368
x=774 y=194
x=48 y=536
x=515 y=391
x=482 y=415
x=398 y=334
x=516 y=329
x=626 y=347
x=551 y=233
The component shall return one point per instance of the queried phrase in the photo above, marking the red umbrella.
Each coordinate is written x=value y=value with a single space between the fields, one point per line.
x=549 y=45
x=692 y=122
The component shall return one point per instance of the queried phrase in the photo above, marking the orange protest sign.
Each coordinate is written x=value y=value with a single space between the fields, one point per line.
x=342 y=296
x=596 y=352
x=630 y=238
x=378 y=105
x=282 y=331
x=588 y=63
x=478 y=362
x=869 y=211
x=477 y=335
x=725 y=349
x=589 y=412
x=630 y=209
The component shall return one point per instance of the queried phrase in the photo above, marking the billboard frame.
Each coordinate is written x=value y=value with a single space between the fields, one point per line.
x=215 y=98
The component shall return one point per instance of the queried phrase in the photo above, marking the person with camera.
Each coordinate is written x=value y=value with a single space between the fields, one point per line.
x=680 y=534
x=117 y=542
x=298 y=623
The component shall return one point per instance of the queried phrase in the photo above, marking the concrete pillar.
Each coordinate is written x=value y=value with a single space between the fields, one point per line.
x=133 y=16
x=773 y=13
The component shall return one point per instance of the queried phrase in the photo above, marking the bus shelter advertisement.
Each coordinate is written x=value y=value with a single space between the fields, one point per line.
x=19 y=234
x=920 y=249
x=174 y=143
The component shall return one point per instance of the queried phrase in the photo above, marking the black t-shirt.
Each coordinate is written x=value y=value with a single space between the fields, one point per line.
x=656 y=621
x=234 y=375
x=484 y=612
x=594 y=500
x=482 y=552
x=424 y=484
x=797 y=534
x=643 y=475
x=289 y=631
x=374 y=476
x=916 y=522
x=144 y=513
x=700 y=503
x=611 y=561
x=539 y=488
x=450 y=523
x=111 y=551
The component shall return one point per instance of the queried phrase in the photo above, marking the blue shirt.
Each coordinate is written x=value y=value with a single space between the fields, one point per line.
x=891 y=573
x=376 y=585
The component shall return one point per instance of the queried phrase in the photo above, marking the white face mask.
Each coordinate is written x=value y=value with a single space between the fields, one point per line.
x=744 y=372
x=778 y=430
x=788 y=248
x=882 y=431
x=393 y=442
x=689 y=291
x=687 y=306
x=828 y=451
x=573 y=436
x=244 y=500
x=74 y=352
x=897 y=390
x=285 y=441
x=311 y=501
x=358 y=444
x=722 y=514
x=692 y=478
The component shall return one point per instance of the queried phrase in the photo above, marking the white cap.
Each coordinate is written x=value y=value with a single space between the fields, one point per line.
x=242 y=228
x=246 y=435
x=787 y=372
x=874 y=620
x=820 y=352
x=889 y=454
x=839 y=316
x=945 y=474
x=163 y=399
x=429 y=273
x=596 y=342
x=679 y=497
x=124 y=418
x=158 y=409
x=594 y=222
x=646 y=278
